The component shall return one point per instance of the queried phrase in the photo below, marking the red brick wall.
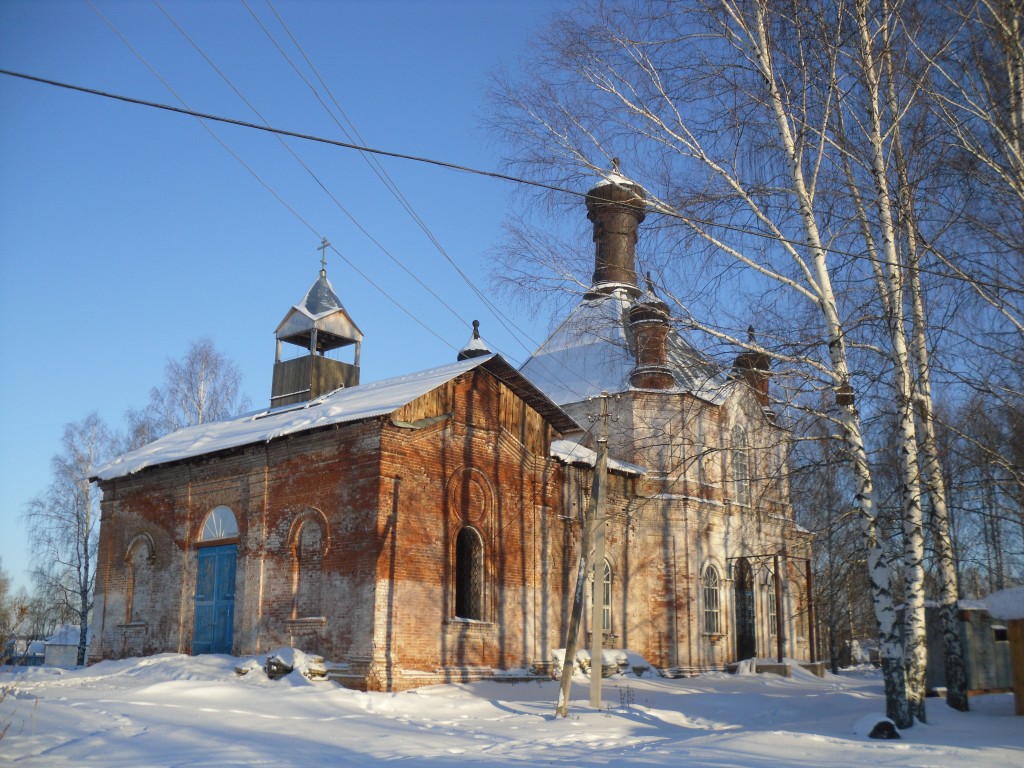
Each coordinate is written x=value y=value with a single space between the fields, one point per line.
x=465 y=469
x=328 y=476
x=389 y=500
x=468 y=470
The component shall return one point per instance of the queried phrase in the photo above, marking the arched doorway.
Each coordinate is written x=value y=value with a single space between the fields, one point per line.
x=743 y=583
x=213 y=627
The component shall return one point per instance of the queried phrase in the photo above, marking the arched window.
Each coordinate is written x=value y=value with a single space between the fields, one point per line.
x=220 y=524
x=773 y=608
x=469 y=575
x=309 y=557
x=139 y=562
x=740 y=467
x=606 y=599
x=712 y=601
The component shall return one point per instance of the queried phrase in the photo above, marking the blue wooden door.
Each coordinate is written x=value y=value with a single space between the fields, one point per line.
x=215 y=599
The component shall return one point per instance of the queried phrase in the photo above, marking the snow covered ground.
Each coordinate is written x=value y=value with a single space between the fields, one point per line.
x=172 y=710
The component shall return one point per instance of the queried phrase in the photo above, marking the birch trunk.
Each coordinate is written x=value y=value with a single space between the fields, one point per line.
x=890 y=287
x=931 y=469
x=890 y=650
x=952 y=647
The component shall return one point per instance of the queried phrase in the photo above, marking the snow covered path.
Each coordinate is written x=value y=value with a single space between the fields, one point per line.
x=175 y=711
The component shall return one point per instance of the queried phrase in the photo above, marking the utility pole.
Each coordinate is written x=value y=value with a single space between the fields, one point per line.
x=597 y=593
x=597 y=492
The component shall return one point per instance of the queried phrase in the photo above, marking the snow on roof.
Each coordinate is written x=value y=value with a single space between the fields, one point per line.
x=964 y=605
x=592 y=351
x=476 y=344
x=337 y=407
x=1006 y=604
x=614 y=177
x=68 y=634
x=572 y=452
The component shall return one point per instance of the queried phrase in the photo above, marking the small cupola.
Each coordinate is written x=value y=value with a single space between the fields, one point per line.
x=755 y=368
x=616 y=207
x=649 y=322
x=319 y=325
x=475 y=347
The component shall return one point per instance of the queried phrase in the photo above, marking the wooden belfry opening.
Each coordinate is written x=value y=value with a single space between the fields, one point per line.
x=318 y=324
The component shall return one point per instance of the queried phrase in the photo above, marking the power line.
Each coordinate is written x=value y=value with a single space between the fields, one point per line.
x=245 y=165
x=688 y=220
x=307 y=137
x=374 y=164
x=315 y=178
x=285 y=132
x=183 y=110
x=507 y=323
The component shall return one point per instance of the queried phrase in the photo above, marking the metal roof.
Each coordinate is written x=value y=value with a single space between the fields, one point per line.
x=341 y=406
x=594 y=351
x=320 y=309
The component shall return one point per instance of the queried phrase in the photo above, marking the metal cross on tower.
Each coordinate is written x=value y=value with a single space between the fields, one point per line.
x=324 y=244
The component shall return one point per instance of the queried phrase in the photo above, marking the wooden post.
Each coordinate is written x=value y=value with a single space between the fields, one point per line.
x=573 y=631
x=595 y=513
x=811 y=630
x=780 y=612
x=1015 y=631
x=597 y=594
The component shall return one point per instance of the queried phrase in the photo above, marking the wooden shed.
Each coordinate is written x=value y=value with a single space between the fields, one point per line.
x=61 y=648
x=1007 y=605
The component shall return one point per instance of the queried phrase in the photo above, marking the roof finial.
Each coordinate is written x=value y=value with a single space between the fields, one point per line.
x=650 y=283
x=615 y=165
x=324 y=244
x=476 y=346
x=750 y=334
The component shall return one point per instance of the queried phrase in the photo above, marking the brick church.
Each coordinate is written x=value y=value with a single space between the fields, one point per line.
x=426 y=528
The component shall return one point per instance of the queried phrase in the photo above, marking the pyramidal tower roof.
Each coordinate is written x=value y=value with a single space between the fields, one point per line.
x=321 y=297
x=322 y=311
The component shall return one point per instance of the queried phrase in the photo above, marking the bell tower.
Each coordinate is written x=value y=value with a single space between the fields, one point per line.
x=318 y=324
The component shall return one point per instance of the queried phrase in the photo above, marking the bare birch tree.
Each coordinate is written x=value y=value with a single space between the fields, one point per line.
x=724 y=108
x=64 y=522
x=204 y=385
x=769 y=135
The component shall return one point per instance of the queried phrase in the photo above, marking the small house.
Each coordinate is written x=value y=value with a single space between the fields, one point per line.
x=61 y=648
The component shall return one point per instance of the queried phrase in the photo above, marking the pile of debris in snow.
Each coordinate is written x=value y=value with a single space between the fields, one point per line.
x=614 y=661
x=285 y=661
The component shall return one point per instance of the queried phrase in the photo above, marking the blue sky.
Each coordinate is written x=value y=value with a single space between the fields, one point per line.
x=127 y=232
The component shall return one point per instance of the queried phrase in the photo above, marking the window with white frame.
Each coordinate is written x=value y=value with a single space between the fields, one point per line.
x=712 y=601
x=773 y=608
x=740 y=466
x=606 y=599
x=219 y=524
